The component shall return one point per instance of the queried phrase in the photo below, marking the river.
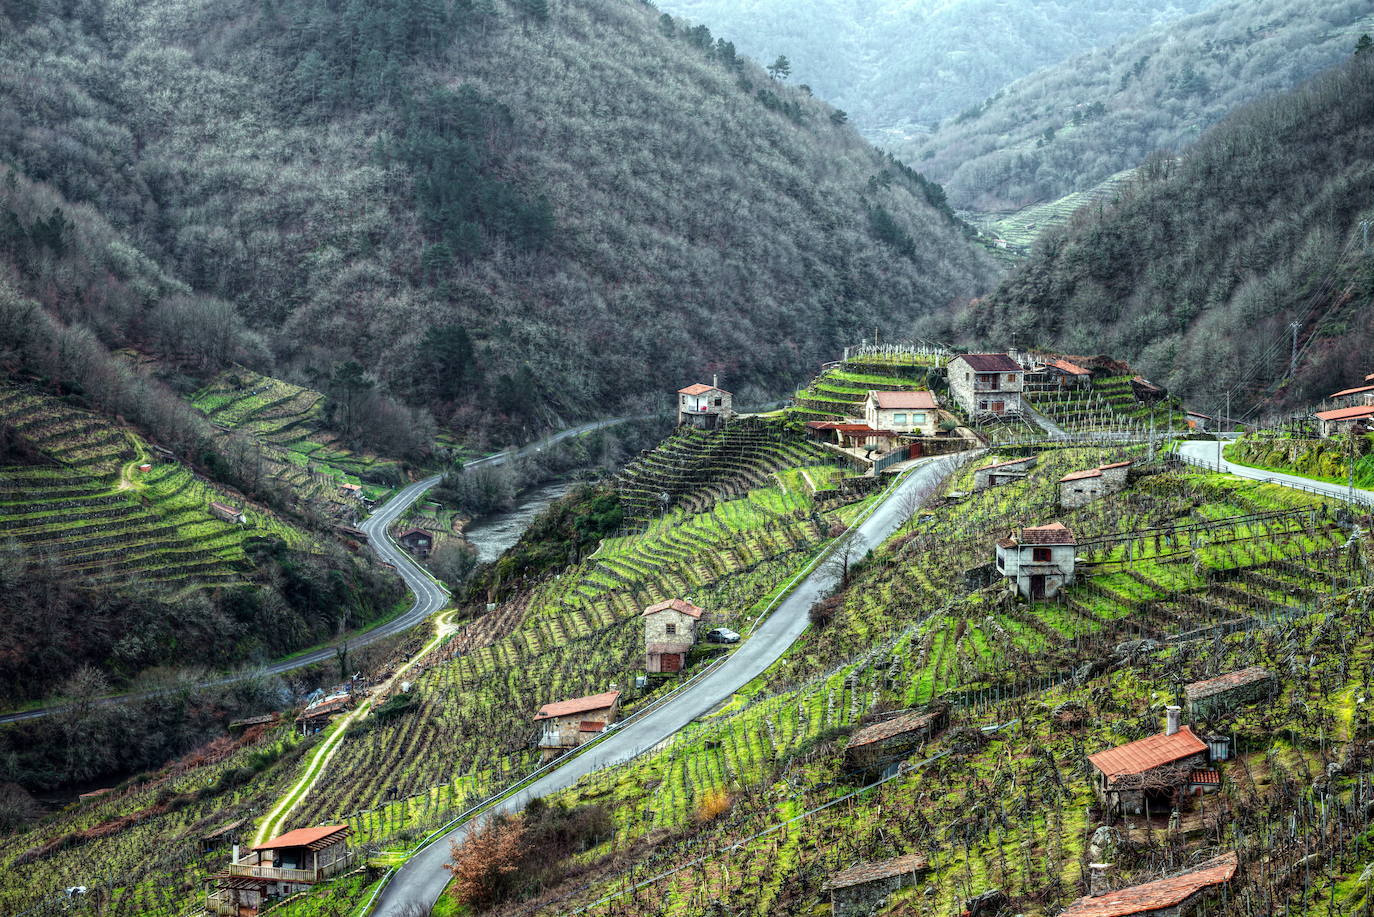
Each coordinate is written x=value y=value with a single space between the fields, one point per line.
x=492 y=535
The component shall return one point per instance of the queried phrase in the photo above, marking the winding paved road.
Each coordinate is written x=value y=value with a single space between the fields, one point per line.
x=1206 y=453
x=430 y=597
x=423 y=877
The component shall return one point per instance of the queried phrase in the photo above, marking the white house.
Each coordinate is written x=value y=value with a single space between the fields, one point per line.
x=707 y=407
x=1039 y=560
x=986 y=383
x=903 y=412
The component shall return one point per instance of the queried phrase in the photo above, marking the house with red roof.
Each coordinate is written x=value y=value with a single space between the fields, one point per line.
x=706 y=407
x=1038 y=560
x=417 y=541
x=1079 y=488
x=565 y=725
x=1180 y=895
x=1152 y=774
x=903 y=412
x=1066 y=375
x=1358 y=419
x=670 y=632
x=1358 y=396
x=281 y=866
x=986 y=383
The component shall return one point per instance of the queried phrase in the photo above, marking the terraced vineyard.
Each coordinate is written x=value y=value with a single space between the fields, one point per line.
x=287 y=420
x=107 y=522
x=841 y=387
x=695 y=469
x=1109 y=405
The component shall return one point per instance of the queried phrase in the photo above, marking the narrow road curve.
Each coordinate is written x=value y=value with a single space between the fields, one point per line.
x=422 y=879
x=430 y=597
x=1206 y=453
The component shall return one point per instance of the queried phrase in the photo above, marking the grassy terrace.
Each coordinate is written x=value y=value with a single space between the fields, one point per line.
x=287 y=420
x=104 y=519
x=1109 y=404
x=910 y=631
x=840 y=389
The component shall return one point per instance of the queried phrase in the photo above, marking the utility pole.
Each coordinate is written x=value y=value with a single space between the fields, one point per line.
x=1364 y=228
x=1293 y=354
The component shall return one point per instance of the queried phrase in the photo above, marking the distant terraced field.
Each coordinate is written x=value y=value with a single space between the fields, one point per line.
x=287 y=420
x=107 y=521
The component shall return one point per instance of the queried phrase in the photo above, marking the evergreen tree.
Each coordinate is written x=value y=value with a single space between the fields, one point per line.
x=839 y=116
x=781 y=68
x=445 y=357
x=538 y=10
x=1363 y=44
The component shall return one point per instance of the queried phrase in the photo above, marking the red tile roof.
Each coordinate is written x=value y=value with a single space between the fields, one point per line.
x=991 y=363
x=873 y=872
x=1054 y=533
x=1157 y=895
x=1072 y=369
x=878 y=732
x=681 y=605
x=1080 y=475
x=1369 y=378
x=1346 y=413
x=1148 y=753
x=591 y=726
x=578 y=705
x=315 y=838
x=700 y=388
x=1352 y=391
x=918 y=401
x=1124 y=464
x=1206 y=777
x=1209 y=687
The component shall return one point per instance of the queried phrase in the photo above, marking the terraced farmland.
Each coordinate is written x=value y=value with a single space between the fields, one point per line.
x=287 y=420
x=696 y=469
x=108 y=522
x=1109 y=405
x=841 y=387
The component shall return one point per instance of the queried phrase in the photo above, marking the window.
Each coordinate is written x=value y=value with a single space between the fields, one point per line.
x=968 y=377
x=1040 y=555
x=899 y=418
x=1011 y=377
x=918 y=419
x=719 y=401
x=670 y=629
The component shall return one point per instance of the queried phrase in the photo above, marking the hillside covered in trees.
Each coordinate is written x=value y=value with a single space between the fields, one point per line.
x=1076 y=123
x=1196 y=271
x=509 y=213
x=898 y=67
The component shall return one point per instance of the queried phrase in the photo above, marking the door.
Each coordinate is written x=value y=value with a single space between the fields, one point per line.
x=999 y=407
x=672 y=662
x=1037 y=586
x=914 y=451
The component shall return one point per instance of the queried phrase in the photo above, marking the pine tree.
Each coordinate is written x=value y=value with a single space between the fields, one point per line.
x=781 y=68
x=1363 y=44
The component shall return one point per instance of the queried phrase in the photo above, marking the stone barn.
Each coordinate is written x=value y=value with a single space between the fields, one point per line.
x=1079 y=488
x=1345 y=420
x=1003 y=472
x=226 y=513
x=670 y=632
x=986 y=383
x=878 y=745
x=707 y=407
x=864 y=889
x=1039 y=561
x=567 y=724
x=417 y=541
x=1181 y=895
x=1226 y=692
x=1068 y=375
x=1151 y=774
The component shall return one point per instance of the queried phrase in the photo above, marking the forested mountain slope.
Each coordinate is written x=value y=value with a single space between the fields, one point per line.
x=510 y=212
x=898 y=66
x=1196 y=271
x=1071 y=125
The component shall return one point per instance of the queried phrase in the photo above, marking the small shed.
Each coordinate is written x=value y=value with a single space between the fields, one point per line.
x=1225 y=692
x=1079 y=488
x=352 y=491
x=877 y=745
x=669 y=635
x=1000 y=473
x=1039 y=561
x=1180 y=895
x=1150 y=774
x=1147 y=392
x=226 y=513
x=1068 y=375
x=863 y=889
x=417 y=541
x=567 y=724
x=224 y=834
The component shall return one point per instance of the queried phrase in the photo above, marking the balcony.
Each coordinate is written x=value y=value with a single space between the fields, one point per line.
x=283 y=874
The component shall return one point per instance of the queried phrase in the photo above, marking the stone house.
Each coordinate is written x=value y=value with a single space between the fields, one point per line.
x=903 y=412
x=1359 y=396
x=1150 y=774
x=1226 y=692
x=670 y=632
x=1079 y=488
x=878 y=745
x=1066 y=375
x=1147 y=392
x=707 y=407
x=279 y=867
x=986 y=383
x=1039 y=560
x=1181 y=895
x=226 y=513
x=1345 y=420
x=1003 y=472
x=863 y=890
x=417 y=541
x=567 y=724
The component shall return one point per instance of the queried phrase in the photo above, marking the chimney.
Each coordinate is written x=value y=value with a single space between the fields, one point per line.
x=235 y=856
x=1173 y=713
x=1097 y=879
x=715 y=381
